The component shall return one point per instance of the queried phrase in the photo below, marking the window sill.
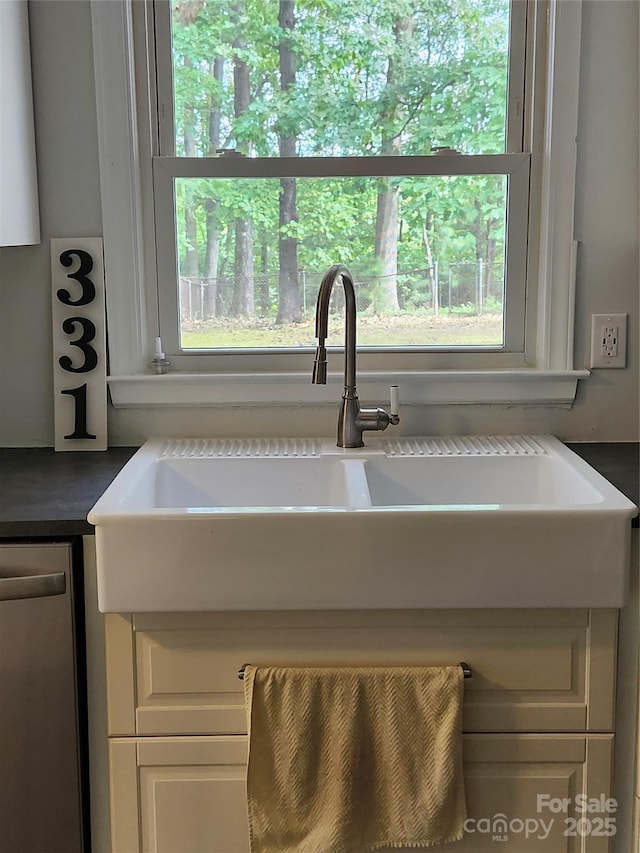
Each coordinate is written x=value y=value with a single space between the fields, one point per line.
x=424 y=387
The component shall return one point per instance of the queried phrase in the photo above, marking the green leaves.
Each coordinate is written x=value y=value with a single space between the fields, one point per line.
x=371 y=77
x=422 y=72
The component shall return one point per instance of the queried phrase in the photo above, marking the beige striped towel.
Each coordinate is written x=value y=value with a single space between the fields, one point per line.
x=347 y=760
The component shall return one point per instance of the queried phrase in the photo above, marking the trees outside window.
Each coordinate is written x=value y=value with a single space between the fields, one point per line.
x=324 y=79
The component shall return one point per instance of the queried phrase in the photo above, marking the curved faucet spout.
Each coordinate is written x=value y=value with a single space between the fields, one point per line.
x=352 y=420
x=322 y=326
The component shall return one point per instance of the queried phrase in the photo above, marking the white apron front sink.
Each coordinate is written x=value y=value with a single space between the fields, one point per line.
x=401 y=523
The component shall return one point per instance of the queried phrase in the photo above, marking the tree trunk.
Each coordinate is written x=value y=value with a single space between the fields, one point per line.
x=290 y=309
x=242 y=304
x=485 y=250
x=433 y=281
x=386 y=249
x=190 y=299
x=211 y=301
x=490 y=259
x=264 y=300
x=216 y=69
x=386 y=237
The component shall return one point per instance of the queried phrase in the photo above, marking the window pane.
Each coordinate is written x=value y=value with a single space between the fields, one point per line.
x=427 y=254
x=336 y=78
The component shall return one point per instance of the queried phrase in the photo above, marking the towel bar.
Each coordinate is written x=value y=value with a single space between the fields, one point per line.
x=466 y=669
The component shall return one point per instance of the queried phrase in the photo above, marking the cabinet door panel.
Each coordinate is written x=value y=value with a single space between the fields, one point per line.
x=194 y=809
x=532 y=671
x=190 y=793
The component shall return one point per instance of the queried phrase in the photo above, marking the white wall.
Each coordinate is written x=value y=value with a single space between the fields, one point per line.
x=68 y=177
x=606 y=408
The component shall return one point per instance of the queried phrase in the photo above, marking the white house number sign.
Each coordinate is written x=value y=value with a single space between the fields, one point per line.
x=79 y=351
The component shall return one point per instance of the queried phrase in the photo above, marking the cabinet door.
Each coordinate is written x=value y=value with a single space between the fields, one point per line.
x=187 y=795
x=179 y=795
x=522 y=794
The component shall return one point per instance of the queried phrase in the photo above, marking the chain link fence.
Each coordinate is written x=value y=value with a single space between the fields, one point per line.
x=470 y=288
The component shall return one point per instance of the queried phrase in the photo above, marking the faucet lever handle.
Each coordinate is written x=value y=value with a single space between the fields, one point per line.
x=394 y=392
x=394 y=416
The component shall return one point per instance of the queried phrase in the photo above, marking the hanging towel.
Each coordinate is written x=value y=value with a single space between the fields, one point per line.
x=347 y=760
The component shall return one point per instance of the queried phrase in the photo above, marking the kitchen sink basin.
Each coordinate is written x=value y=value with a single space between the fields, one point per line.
x=253 y=524
x=535 y=481
x=248 y=483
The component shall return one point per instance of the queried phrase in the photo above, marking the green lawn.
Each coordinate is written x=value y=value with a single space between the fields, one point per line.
x=403 y=330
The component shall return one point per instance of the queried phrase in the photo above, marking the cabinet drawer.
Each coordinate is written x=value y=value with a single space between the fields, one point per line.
x=532 y=670
x=177 y=794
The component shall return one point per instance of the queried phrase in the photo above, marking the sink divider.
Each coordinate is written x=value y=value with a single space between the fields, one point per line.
x=357 y=484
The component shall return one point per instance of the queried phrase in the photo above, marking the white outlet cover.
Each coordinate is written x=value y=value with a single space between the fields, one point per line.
x=599 y=322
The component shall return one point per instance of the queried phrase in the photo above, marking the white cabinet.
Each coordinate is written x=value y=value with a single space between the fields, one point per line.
x=538 y=716
x=185 y=795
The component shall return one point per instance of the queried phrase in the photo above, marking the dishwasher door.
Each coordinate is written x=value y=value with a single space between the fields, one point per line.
x=40 y=796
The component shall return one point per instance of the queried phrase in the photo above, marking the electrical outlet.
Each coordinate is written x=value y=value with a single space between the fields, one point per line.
x=608 y=340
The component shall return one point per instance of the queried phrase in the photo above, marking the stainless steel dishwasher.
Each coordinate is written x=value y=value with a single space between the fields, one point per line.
x=40 y=747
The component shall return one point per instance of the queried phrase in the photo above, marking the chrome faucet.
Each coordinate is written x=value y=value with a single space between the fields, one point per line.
x=352 y=420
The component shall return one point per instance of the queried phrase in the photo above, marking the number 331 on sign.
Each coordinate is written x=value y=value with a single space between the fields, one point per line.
x=79 y=351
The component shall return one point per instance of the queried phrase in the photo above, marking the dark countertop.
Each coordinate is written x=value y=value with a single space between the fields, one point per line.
x=45 y=494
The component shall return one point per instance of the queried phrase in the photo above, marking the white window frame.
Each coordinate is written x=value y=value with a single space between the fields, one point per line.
x=543 y=372
x=514 y=164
